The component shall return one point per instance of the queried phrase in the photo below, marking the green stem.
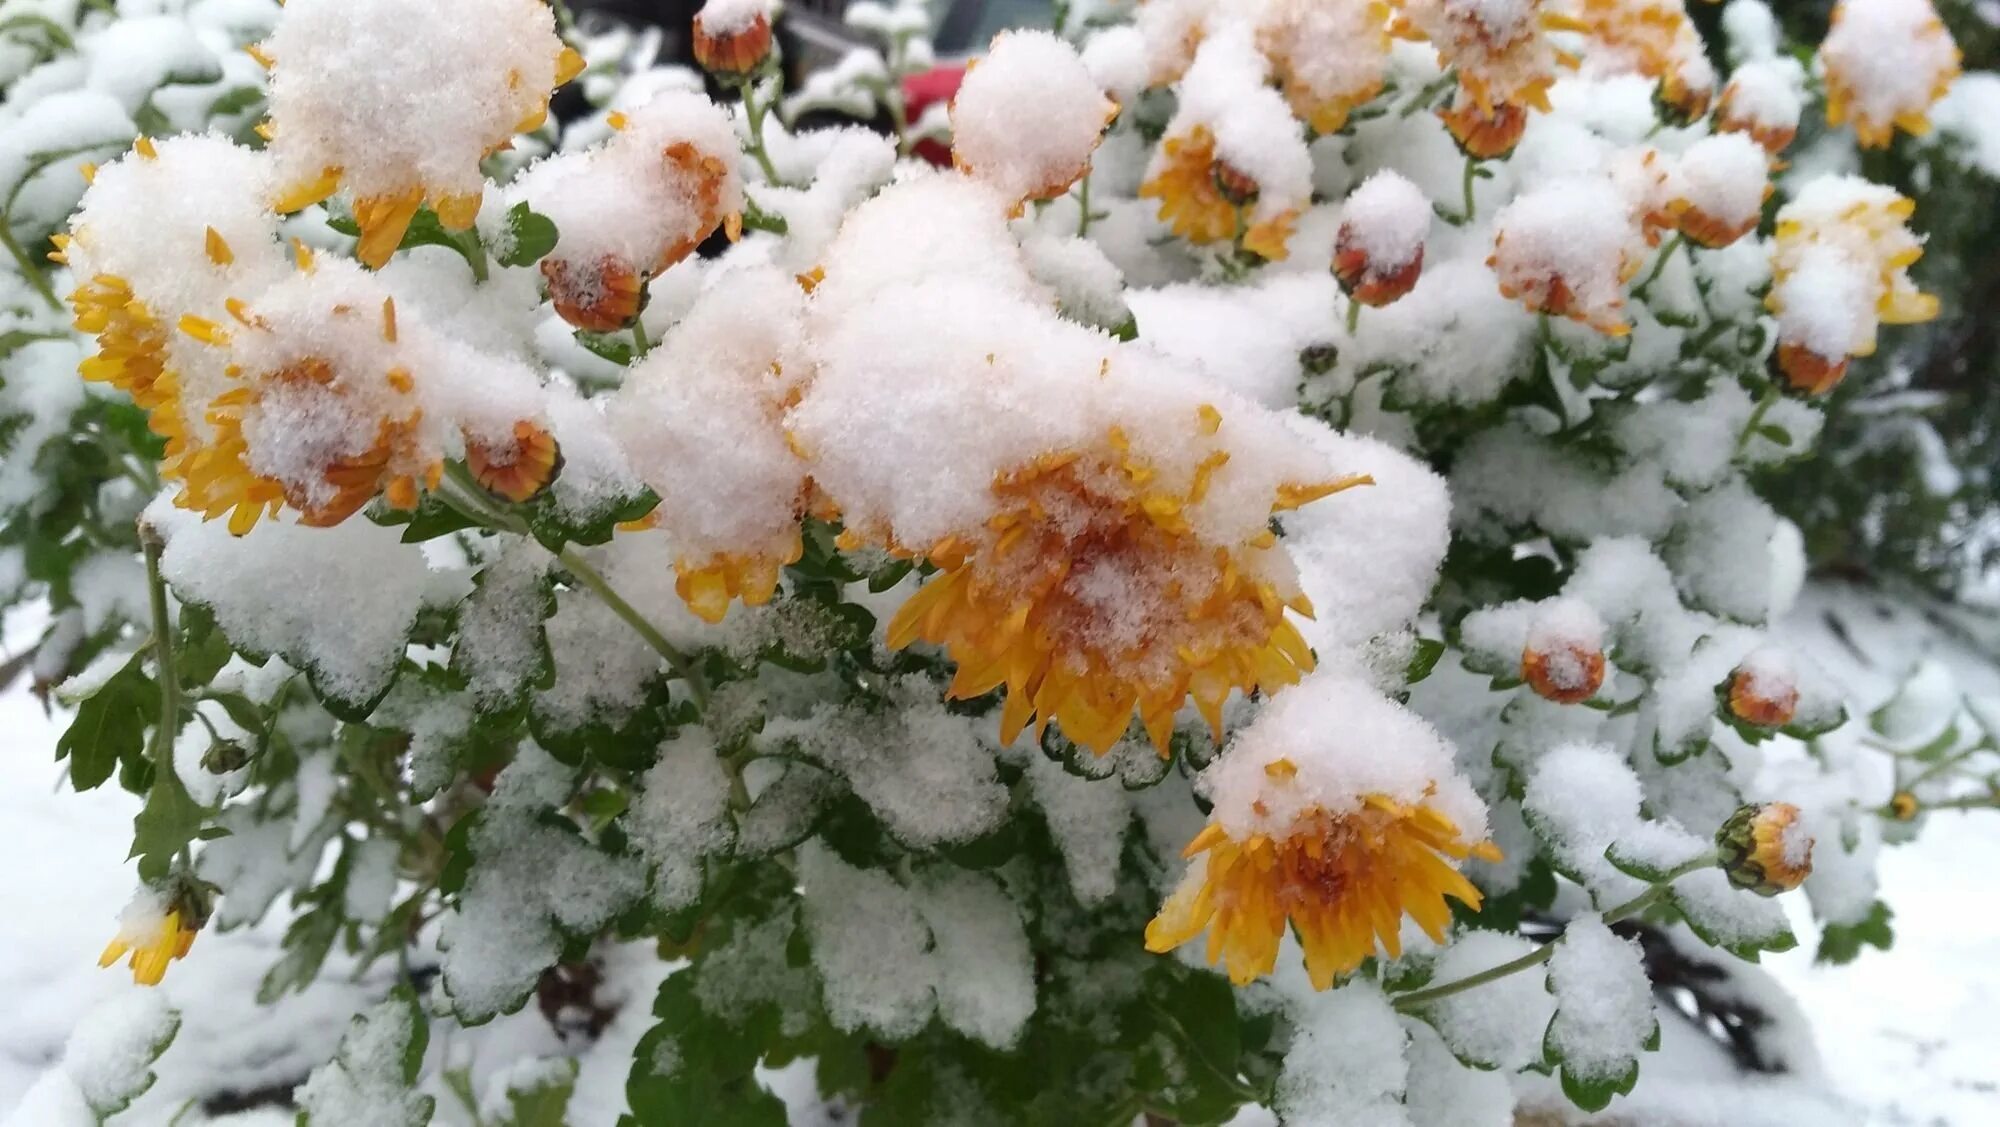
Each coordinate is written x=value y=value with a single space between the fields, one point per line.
x=755 y=111
x=1353 y=316
x=1083 y=203
x=1642 y=290
x=30 y=270
x=640 y=345
x=1764 y=404
x=1471 y=171
x=464 y=496
x=1416 y=999
x=161 y=751
x=1982 y=802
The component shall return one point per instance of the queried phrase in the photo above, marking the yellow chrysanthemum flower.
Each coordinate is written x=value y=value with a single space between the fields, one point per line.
x=1022 y=602
x=1503 y=55
x=1329 y=56
x=1343 y=881
x=1887 y=62
x=1205 y=200
x=156 y=928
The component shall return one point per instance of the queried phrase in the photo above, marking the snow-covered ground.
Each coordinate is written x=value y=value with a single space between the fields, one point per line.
x=1908 y=1037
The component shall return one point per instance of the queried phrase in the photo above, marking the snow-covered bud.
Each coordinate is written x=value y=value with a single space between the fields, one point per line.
x=1762 y=100
x=1567 y=248
x=1484 y=133
x=1806 y=372
x=1028 y=117
x=224 y=756
x=1765 y=848
x=1379 y=252
x=1904 y=806
x=1764 y=690
x=1685 y=93
x=1724 y=180
x=1330 y=56
x=732 y=38
x=1563 y=659
x=1887 y=62
x=604 y=296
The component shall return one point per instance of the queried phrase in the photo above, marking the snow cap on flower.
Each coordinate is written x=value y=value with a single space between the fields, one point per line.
x=1028 y=116
x=927 y=225
x=1887 y=62
x=359 y=100
x=1563 y=658
x=1764 y=99
x=1723 y=182
x=1336 y=811
x=1099 y=514
x=701 y=420
x=1763 y=689
x=1765 y=848
x=1234 y=160
x=1500 y=49
x=1653 y=38
x=635 y=205
x=1840 y=270
x=1329 y=56
x=1566 y=248
x=731 y=38
x=1379 y=252
x=1172 y=30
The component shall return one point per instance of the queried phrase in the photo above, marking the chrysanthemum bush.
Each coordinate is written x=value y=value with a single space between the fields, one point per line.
x=1250 y=587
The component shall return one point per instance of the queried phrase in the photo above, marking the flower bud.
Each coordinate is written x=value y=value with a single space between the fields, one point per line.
x=1563 y=660
x=1904 y=806
x=1683 y=99
x=603 y=297
x=1765 y=849
x=728 y=51
x=1379 y=253
x=225 y=756
x=1763 y=692
x=1483 y=134
x=1236 y=186
x=516 y=470
x=1806 y=371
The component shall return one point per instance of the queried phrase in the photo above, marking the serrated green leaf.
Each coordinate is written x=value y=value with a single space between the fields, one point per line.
x=1423 y=661
x=109 y=726
x=1840 y=944
x=165 y=825
x=541 y=1104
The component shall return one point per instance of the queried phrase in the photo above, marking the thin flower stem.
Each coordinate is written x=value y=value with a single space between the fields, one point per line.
x=163 y=651
x=1644 y=288
x=464 y=497
x=640 y=344
x=1353 y=316
x=1471 y=172
x=30 y=270
x=1764 y=404
x=1982 y=802
x=1083 y=206
x=1416 y=999
x=755 y=111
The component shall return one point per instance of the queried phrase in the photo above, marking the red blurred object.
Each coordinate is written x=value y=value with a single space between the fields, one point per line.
x=920 y=91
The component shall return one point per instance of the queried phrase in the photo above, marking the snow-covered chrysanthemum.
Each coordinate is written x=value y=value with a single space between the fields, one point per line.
x=1763 y=99
x=1723 y=181
x=1887 y=62
x=360 y=99
x=635 y=205
x=1028 y=117
x=1378 y=253
x=1329 y=56
x=1336 y=814
x=169 y=231
x=1840 y=271
x=701 y=420
x=1097 y=515
x=1234 y=164
x=1566 y=248
x=1503 y=57
x=1653 y=38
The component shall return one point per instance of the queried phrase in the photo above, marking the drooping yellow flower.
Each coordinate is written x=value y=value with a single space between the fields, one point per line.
x=155 y=929
x=1887 y=62
x=1344 y=881
x=708 y=586
x=1088 y=596
x=1205 y=200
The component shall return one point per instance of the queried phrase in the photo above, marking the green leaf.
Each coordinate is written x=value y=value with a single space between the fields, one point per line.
x=431 y=519
x=531 y=234
x=236 y=101
x=543 y=1101
x=109 y=726
x=554 y=528
x=693 y=1067
x=1841 y=944
x=168 y=822
x=606 y=346
x=135 y=1074
x=1775 y=433
x=1423 y=661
